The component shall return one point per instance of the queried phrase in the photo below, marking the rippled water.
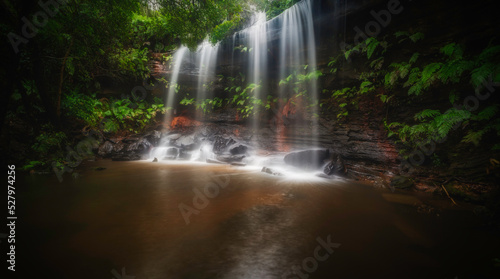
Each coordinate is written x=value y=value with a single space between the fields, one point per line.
x=254 y=226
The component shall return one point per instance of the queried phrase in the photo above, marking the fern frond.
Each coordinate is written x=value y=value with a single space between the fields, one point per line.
x=429 y=74
x=474 y=137
x=487 y=113
x=489 y=52
x=371 y=45
x=453 y=50
x=482 y=73
x=377 y=63
x=401 y=33
x=417 y=37
x=414 y=57
x=428 y=113
x=413 y=78
x=415 y=89
x=453 y=70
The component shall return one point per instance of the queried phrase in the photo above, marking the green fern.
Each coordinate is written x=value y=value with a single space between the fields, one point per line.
x=446 y=121
x=401 y=33
x=453 y=70
x=377 y=63
x=453 y=97
x=413 y=37
x=483 y=72
x=474 y=137
x=428 y=113
x=453 y=51
x=417 y=37
x=487 y=113
x=414 y=58
x=489 y=52
x=371 y=45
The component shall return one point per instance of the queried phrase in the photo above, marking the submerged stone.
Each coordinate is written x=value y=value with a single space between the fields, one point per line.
x=308 y=159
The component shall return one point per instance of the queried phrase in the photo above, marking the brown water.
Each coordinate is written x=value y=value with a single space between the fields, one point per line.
x=257 y=226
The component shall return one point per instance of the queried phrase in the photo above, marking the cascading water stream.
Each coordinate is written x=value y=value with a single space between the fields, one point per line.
x=177 y=60
x=206 y=58
x=257 y=66
x=298 y=53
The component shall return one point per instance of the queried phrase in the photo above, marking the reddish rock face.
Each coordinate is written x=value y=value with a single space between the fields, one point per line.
x=181 y=122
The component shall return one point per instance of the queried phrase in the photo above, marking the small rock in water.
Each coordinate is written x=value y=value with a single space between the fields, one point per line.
x=238 y=164
x=322 y=175
x=211 y=161
x=335 y=167
x=271 y=171
x=155 y=160
x=401 y=182
x=230 y=158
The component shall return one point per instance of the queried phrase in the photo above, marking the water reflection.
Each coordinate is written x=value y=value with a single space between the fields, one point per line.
x=258 y=226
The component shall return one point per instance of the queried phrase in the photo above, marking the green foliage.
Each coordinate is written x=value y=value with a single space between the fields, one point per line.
x=114 y=115
x=130 y=115
x=434 y=125
x=187 y=101
x=377 y=63
x=368 y=46
x=130 y=61
x=81 y=106
x=190 y=21
x=371 y=45
x=48 y=141
x=428 y=113
x=224 y=29
x=33 y=164
x=406 y=35
x=276 y=7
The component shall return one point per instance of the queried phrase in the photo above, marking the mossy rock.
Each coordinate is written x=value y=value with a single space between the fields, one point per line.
x=402 y=182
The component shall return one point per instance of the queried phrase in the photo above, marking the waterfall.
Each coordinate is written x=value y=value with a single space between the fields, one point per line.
x=173 y=86
x=206 y=57
x=271 y=51
x=257 y=66
x=298 y=51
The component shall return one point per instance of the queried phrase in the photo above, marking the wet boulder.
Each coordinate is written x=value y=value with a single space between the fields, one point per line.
x=106 y=149
x=184 y=155
x=141 y=146
x=221 y=144
x=271 y=171
x=308 y=159
x=185 y=141
x=153 y=137
x=130 y=149
x=238 y=150
x=169 y=138
x=172 y=153
x=335 y=167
